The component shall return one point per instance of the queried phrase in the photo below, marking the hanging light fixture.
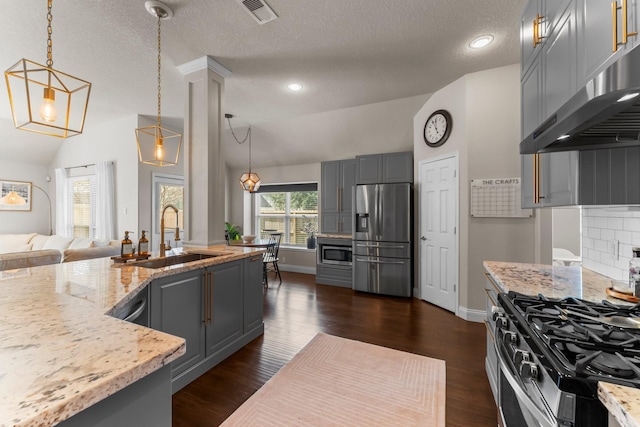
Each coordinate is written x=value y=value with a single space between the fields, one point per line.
x=157 y=145
x=41 y=97
x=250 y=181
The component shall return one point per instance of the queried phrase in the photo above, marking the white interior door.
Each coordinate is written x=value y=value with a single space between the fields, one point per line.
x=438 y=231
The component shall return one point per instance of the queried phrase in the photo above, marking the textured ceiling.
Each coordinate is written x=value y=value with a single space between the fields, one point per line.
x=346 y=53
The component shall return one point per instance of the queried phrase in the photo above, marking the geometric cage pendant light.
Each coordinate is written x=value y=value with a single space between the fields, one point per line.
x=249 y=181
x=158 y=145
x=45 y=100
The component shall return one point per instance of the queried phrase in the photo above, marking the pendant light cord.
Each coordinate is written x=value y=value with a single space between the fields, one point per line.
x=159 y=62
x=49 y=31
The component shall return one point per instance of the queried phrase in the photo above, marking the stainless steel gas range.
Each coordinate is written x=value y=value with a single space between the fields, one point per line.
x=551 y=353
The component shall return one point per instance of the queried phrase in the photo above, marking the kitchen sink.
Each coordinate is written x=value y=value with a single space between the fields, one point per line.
x=175 y=259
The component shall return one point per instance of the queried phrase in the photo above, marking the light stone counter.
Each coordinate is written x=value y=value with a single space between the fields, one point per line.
x=335 y=236
x=622 y=402
x=60 y=353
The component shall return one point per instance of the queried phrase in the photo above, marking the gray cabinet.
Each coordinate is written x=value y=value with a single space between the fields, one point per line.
x=224 y=320
x=176 y=308
x=336 y=186
x=384 y=168
x=253 y=293
x=595 y=50
x=549 y=75
x=217 y=310
x=551 y=182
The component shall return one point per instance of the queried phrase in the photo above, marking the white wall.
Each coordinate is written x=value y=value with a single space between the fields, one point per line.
x=113 y=141
x=601 y=226
x=37 y=220
x=485 y=107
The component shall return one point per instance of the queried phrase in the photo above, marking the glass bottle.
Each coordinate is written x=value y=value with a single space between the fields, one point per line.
x=143 y=244
x=634 y=271
x=126 y=249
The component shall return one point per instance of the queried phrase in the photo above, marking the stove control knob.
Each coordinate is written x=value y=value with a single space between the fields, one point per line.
x=495 y=309
x=502 y=321
x=529 y=370
x=510 y=338
x=521 y=356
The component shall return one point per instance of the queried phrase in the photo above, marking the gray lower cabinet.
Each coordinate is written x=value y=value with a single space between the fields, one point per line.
x=491 y=362
x=177 y=309
x=217 y=310
x=253 y=291
x=224 y=321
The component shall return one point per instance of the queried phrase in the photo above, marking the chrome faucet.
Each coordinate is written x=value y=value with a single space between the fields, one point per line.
x=163 y=247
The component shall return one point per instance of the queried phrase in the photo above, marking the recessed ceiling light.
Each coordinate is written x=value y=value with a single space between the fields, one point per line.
x=294 y=86
x=480 y=42
x=561 y=137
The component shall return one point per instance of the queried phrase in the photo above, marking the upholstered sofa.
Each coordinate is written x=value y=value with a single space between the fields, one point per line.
x=32 y=250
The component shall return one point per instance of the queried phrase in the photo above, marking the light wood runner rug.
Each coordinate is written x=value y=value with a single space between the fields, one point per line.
x=339 y=382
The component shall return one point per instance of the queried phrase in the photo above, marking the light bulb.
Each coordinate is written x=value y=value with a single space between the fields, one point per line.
x=159 y=150
x=48 y=111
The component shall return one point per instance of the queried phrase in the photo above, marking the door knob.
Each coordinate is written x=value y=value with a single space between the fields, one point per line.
x=423 y=238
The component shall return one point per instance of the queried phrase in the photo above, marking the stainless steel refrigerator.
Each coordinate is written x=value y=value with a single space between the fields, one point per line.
x=382 y=249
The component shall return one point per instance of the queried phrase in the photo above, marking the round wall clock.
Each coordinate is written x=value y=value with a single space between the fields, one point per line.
x=438 y=128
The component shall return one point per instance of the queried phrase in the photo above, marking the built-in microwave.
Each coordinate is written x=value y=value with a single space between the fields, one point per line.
x=336 y=255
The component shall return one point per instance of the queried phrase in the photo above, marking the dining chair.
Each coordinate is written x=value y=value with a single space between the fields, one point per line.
x=271 y=257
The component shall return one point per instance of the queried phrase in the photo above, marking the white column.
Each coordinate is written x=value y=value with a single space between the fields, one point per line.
x=204 y=165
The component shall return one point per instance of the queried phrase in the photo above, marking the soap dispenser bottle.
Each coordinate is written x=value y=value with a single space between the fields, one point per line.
x=634 y=271
x=126 y=249
x=143 y=244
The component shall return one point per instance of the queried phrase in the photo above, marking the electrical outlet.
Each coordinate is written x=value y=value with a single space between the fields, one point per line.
x=613 y=249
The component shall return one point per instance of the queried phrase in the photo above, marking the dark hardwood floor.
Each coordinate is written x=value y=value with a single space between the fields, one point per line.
x=296 y=310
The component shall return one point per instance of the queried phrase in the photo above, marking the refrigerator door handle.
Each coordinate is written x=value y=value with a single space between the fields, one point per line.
x=380 y=211
x=374 y=261
x=376 y=245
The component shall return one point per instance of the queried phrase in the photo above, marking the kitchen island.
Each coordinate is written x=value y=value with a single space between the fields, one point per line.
x=623 y=403
x=61 y=353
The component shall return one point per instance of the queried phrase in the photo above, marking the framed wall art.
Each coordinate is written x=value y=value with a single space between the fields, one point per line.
x=15 y=195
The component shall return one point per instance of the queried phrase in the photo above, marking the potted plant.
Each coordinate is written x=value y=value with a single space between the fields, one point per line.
x=310 y=228
x=231 y=232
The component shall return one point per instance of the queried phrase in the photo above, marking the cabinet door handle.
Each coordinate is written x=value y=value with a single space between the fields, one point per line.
x=537 y=38
x=205 y=291
x=626 y=34
x=338 y=199
x=211 y=297
x=614 y=24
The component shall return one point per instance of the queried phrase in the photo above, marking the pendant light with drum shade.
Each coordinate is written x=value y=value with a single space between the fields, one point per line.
x=158 y=145
x=45 y=100
x=250 y=181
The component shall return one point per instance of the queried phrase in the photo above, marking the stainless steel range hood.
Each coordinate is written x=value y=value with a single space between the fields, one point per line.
x=605 y=113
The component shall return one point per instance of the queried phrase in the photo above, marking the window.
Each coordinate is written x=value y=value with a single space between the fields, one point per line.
x=82 y=205
x=167 y=189
x=290 y=209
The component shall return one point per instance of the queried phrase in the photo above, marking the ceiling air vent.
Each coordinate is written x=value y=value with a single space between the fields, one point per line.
x=260 y=10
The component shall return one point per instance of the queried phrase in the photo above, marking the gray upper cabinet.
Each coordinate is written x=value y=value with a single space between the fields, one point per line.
x=384 y=168
x=595 y=39
x=550 y=179
x=549 y=65
x=337 y=180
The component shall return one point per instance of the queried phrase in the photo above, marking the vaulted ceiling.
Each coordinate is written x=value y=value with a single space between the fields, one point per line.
x=346 y=53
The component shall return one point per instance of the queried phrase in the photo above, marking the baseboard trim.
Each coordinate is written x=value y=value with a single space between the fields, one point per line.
x=472 y=315
x=297 y=268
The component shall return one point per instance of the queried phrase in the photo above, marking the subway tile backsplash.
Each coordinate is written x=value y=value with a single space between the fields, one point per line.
x=608 y=234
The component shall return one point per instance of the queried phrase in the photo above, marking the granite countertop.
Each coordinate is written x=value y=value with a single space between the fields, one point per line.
x=60 y=353
x=623 y=403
